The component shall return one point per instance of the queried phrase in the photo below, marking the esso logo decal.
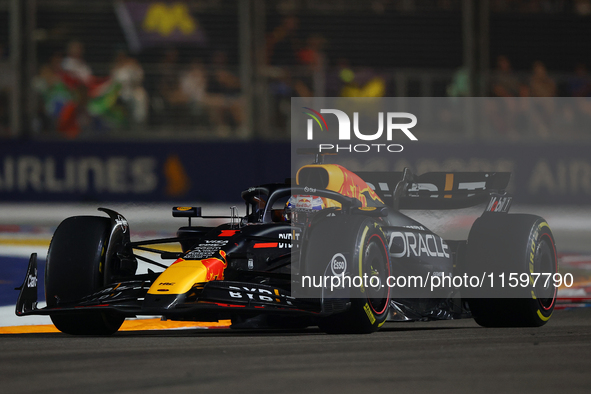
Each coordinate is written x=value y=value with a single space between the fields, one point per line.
x=338 y=264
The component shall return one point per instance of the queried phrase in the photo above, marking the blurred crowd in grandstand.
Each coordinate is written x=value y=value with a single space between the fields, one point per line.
x=76 y=101
x=73 y=100
x=205 y=93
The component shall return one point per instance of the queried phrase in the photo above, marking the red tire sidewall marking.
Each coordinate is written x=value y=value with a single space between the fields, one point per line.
x=556 y=269
x=388 y=265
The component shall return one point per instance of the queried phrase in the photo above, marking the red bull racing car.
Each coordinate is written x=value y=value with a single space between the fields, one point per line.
x=276 y=265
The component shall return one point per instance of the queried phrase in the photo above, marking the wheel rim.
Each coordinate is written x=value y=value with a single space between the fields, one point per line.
x=375 y=264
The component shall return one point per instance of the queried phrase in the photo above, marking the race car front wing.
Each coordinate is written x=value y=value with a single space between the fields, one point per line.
x=204 y=301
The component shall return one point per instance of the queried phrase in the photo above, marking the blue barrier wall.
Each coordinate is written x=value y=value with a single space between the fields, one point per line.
x=208 y=172
x=81 y=171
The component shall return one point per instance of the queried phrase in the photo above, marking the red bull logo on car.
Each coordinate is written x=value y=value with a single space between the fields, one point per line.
x=215 y=267
x=344 y=182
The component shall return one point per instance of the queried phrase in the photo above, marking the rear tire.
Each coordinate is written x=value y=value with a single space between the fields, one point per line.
x=75 y=269
x=513 y=243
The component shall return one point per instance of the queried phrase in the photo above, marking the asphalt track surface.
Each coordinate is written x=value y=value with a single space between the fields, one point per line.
x=434 y=357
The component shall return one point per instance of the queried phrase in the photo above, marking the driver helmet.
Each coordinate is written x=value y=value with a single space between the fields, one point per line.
x=302 y=204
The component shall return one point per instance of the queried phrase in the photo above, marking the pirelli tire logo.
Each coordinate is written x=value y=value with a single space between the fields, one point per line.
x=369 y=313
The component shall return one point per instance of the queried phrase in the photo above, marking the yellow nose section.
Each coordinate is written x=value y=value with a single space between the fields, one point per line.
x=180 y=277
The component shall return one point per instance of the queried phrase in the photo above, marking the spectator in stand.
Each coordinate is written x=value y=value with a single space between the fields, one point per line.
x=168 y=71
x=75 y=100
x=313 y=58
x=338 y=76
x=540 y=112
x=71 y=83
x=504 y=113
x=580 y=84
x=284 y=48
x=55 y=94
x=193 y=85
x=130 y=75
x=309 y=79
x=312 y=54
x=582 y=7
x=169 y=101
x=504 y=81
x=224 y=94
x=540 y=83
x=283 y=42
x=74 y=63
x=460 y=84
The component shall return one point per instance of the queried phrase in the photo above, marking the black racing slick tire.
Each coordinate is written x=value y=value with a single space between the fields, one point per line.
x=513 y=243
x=368 y=255
x=75 y=269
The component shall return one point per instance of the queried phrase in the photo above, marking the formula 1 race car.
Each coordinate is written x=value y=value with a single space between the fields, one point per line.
x=256 y=270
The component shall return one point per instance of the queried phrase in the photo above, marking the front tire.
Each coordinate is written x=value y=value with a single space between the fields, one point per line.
x=369 y=305
x=75 y=269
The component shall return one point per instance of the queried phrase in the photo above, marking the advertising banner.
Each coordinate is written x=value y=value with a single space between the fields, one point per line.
x=158 y=171
x=557 y=174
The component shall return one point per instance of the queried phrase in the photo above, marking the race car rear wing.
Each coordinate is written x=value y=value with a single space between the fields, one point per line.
x=435 y=190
